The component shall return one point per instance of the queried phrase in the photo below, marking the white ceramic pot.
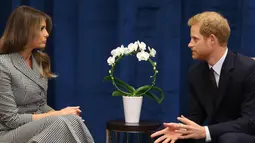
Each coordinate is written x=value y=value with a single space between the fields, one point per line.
x=132 y=108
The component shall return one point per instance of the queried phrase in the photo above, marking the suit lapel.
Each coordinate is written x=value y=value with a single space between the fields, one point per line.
x=33 y=74
x=225 y=78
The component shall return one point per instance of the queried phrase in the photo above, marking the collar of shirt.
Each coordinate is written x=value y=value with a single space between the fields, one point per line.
x=217 y=67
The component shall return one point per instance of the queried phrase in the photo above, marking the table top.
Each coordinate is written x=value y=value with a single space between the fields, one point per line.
x=142 y=126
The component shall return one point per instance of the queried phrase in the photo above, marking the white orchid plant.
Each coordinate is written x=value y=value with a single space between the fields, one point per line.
x=123 y=89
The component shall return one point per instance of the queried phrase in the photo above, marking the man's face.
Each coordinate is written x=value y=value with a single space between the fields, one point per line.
x=198 y=44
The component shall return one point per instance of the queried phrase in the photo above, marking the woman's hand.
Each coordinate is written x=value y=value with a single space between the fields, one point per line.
x=65 y=111
x=70 y=110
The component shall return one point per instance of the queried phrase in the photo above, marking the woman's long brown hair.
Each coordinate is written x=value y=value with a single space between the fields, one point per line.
x=22 y=27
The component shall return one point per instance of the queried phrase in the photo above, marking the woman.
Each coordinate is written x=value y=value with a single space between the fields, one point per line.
x=24 y=70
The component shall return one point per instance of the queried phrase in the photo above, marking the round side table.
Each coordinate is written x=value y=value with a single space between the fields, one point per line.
x=120 y=126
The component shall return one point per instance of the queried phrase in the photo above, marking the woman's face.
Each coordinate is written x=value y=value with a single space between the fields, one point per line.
x=41 y=38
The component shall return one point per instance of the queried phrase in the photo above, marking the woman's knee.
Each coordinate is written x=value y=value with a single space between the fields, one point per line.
x=58 y=120
x=74 y=118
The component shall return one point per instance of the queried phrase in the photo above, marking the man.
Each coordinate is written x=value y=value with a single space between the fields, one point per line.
x=222 y=88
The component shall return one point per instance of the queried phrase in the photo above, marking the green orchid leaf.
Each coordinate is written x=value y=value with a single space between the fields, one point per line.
x=121 y=83
x=107 y=78
x=142 y=89
x=155 y=97
x=129 y=87
x=119 y=93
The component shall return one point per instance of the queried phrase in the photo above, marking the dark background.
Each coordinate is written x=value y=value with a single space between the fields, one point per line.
x=85 y=31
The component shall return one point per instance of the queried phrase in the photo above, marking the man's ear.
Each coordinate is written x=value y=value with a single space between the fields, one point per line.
x=213 y=39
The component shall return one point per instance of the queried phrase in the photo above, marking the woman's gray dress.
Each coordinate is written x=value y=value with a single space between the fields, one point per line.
x=23 y=93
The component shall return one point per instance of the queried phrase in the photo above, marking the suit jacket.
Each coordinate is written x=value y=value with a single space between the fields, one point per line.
x=22 y=91
x=231 y=106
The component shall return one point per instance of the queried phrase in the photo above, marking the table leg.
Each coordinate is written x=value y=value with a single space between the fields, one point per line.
x=108 y=136
x=117 y=134
x=126 y=138
x=139 y=137
x=149 y=138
